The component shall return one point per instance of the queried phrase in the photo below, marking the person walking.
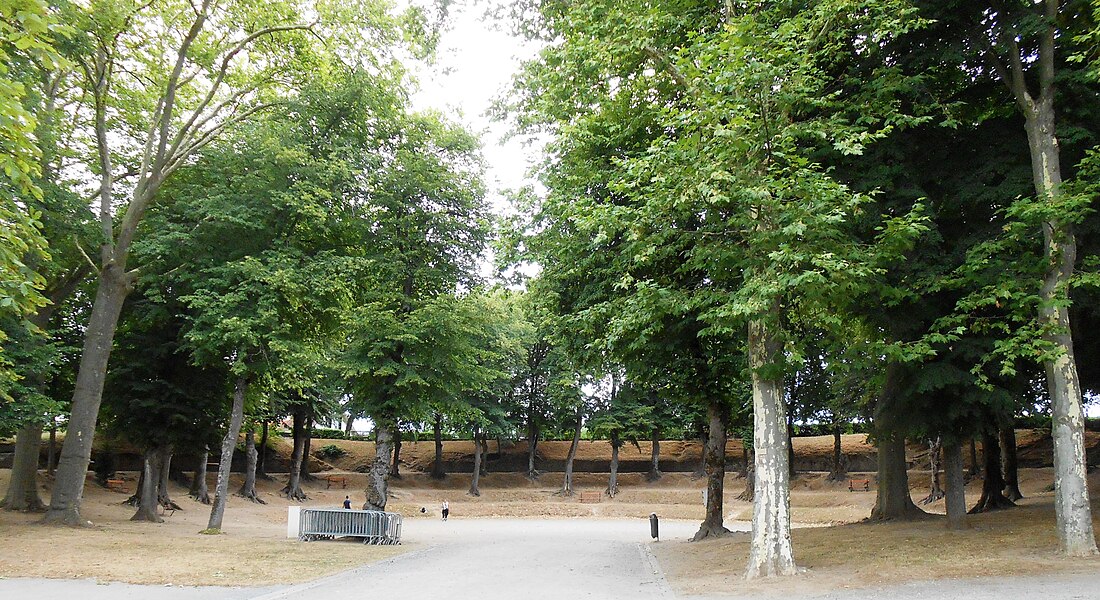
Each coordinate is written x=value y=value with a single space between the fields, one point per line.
x=446 y=509
x=347 y=502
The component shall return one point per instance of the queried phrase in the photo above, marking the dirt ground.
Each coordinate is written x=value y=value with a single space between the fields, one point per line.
x=254 y=550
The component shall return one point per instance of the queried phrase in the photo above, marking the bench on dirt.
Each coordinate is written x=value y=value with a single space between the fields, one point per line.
x=859 y=485
x=116 y=485
x=331 y=480
x=591 y=497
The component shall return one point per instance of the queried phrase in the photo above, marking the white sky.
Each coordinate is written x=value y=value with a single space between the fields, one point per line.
x=477 y=58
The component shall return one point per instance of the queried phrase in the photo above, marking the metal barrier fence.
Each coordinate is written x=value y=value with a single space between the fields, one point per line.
x=375 y=527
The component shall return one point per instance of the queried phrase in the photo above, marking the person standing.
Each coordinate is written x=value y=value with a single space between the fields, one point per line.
x=446 y=509
x=347 y=502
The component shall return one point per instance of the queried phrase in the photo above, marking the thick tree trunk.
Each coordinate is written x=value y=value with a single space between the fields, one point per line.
x=771 y=553
x=485 y=454
x=714 y=460
x=613 y=478
x=248 y=488
x=840 y=466
x=225 y=463
x=956 y=486
x=22 y=494
x=147 y=488
x=532 y=447
x=892 y=500
x=475 y=478
x=261 y=463
x=395 y=468
x=76 y=452
x=935 y=491
x=654 y=455
x=992 y=497
x=437 y=432
x=567 y=480
x=351 y=421
x=378 y=490
x=293 y=488
x=790 y=448
x=199 y=490
x=1011 y=463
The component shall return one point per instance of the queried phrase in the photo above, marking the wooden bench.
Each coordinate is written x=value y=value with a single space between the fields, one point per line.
x=116 y=485
x=859 y=485
x=331 y=480
x=590 y=497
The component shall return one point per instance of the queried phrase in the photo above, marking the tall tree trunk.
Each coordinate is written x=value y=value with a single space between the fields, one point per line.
x=532 y=446
x=261 y=463
x=51 y=450
x=474 y=479
x=748 y=472
x=771 y=554
x=293 y=488
x=22 y=491
x=892 y=500
x=975 y=470
x=485 y=454
x=225 y=463
x=437 y=431
x=352 y=416
x=76 y=451
x=164 y=496
x=714 y=461
x=956 y=486
x=992 y=497
x=654 y=454
x=790 y=448
x=1011 y=463
x=147 y=489
x=248 y=488
x=395 y=468
x=199 y=490
x=840 y=467
x=378 y=490
x=567 y=480
x=613 y=478
x=936 y=491
x=307 y=434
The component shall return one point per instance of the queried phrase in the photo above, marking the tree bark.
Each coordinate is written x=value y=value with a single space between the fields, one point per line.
x=654 y=455
x=248 y=488
x=164 y=496
x=790 y=448
x=770 y=554
x=974 y=472
x=475 y=478
x=892 y=500
x=351 y=421
x=303 y=469
x=613 y=478
x=714 y=463
x=147 y=488
x=956 y=486
x=261 y=464
x=567 y=480
x=199 y=490
x=840 y=466
x=225 y=463
x=22 y=494
x=1011 y=463
x=395 y=468
x=936 y=490
x=992 y=497
x=378 y=490
x=51 y=449
x=532 y=446
x=293 y=488
x=437 y=431
x=76 y=451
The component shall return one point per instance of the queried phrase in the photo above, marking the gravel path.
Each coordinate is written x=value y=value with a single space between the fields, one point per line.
x=516 y=559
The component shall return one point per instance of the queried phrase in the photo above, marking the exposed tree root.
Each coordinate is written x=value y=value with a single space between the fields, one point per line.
x=710 y=531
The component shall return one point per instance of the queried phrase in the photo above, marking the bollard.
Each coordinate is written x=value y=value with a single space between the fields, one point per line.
x=653 y=526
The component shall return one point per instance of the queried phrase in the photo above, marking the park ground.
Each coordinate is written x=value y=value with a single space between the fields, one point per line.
x=837 y=551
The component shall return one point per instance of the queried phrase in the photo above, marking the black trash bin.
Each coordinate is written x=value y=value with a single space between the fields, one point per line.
x=653 y=529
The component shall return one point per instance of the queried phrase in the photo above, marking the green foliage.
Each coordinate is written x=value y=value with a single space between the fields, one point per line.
x=331 y=451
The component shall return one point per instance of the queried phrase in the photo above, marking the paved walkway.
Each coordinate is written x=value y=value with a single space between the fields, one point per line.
x=516 y=559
